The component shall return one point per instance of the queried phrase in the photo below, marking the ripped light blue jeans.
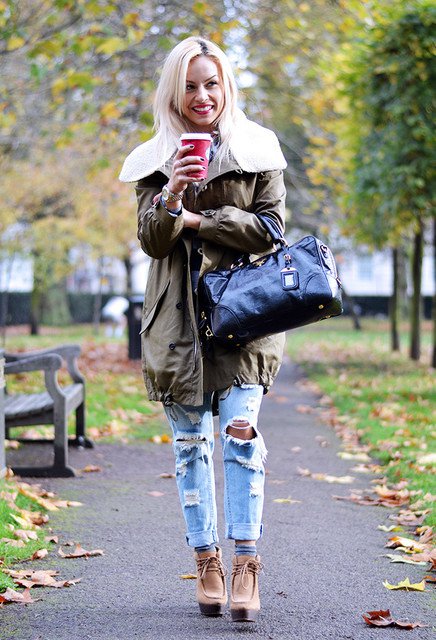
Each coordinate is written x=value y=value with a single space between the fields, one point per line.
x=244 y=473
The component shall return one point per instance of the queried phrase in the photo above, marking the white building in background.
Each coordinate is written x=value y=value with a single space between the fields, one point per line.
x=86 y=277
x=370 y=274
x=362 y=274
x=16 y=274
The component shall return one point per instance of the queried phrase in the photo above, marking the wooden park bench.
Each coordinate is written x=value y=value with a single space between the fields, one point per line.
x=52 y=406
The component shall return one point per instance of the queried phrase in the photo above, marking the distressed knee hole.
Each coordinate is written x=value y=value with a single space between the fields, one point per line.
x=253 y=449
x=240 y=423
x=241 y=428
x=188 y=441
x=189 y=447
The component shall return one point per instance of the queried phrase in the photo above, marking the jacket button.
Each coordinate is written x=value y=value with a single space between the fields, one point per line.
x=171 y=346
x=179 y=305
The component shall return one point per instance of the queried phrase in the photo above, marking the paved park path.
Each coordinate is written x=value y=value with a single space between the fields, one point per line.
x=324 y=563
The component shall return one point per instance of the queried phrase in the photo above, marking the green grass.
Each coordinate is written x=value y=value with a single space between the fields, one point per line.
x=117 y=408
x=18 y=338
x=388 y=398
x=11 y=555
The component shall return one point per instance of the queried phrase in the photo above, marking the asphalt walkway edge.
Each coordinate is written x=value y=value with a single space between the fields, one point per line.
x=324 y=559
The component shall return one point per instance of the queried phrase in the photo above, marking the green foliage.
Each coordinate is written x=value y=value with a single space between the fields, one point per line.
x=380 y=89
x=75 y=54
x=393 y=173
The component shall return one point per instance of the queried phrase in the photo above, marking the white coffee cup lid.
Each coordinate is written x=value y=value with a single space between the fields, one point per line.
x=195 y=136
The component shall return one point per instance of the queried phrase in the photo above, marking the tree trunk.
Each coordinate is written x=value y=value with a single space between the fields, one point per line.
x=356 y=321
x=394 y=302
x=56 y=311
x=415 y=326
x=433 y=359
x=98 y=298
x=5 y=300
x=402 y=268
x=35 y=311
x=129 y=268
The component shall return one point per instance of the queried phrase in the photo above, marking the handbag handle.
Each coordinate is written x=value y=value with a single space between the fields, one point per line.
x=273 y=229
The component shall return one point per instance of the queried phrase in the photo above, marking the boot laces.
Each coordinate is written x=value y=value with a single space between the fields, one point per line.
x=252 y=567
x=211 y=563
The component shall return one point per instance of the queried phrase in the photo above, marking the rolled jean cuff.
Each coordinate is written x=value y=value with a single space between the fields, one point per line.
x=201 y=538
x=244 y=531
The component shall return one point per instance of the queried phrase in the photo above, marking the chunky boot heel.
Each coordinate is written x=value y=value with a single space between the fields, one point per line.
x=211 y=584
x=245 y=602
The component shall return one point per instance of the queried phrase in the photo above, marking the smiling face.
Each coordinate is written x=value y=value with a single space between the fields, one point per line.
x=204 y=97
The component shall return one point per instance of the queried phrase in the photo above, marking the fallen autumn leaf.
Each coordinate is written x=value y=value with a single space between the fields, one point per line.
x=384 y=619
x=79 y=552
x=406 y=584
x=396 y=558
x=16 y=596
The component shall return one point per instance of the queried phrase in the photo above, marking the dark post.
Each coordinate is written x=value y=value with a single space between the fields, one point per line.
x=134 y=317
x=2 y=415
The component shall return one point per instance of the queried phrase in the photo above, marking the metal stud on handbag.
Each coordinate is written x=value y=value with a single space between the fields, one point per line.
x=291 y=287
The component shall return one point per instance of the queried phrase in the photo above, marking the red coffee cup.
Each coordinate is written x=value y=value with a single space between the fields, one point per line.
x=201 y=142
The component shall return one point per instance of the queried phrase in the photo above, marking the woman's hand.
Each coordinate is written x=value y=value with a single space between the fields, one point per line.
x=191 y=220
x=183 y=166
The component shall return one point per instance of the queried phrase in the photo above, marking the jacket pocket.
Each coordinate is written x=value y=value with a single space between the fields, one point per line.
x=148 y=319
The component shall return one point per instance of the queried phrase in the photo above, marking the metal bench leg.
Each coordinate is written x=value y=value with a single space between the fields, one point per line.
x=60 y=465
x=44 y=472
x=81 y=440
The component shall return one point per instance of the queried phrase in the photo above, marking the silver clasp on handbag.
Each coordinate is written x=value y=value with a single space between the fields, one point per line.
x=290 y=278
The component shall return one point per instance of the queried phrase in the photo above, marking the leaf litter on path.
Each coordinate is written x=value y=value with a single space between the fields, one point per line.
x=395 y=557
x=39 y=578
x=325 y=477
x=383 y=618
x=406 y=585
x=79 y=552
x=10 y=595
x=403 y=543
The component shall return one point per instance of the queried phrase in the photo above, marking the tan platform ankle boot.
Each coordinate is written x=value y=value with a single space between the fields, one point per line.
x=211 y=584
x=245 y=603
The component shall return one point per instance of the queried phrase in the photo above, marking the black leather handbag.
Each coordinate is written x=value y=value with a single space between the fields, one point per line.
x=291 y=287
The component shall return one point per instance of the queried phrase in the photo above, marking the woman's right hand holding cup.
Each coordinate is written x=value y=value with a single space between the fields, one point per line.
x=184 y=166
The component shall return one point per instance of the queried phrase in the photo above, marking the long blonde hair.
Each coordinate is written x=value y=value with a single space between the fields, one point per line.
x=169 y=122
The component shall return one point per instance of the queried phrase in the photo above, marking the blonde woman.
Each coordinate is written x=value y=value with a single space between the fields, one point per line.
x=188 y=228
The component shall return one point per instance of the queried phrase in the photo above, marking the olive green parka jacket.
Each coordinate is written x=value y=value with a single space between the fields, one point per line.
x=174 y=366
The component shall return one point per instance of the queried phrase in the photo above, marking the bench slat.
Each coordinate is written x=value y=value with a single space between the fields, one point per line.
x=21 y=404
x=29 y=404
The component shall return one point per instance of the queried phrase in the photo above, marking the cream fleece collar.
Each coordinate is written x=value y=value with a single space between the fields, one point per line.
x=253 y=148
